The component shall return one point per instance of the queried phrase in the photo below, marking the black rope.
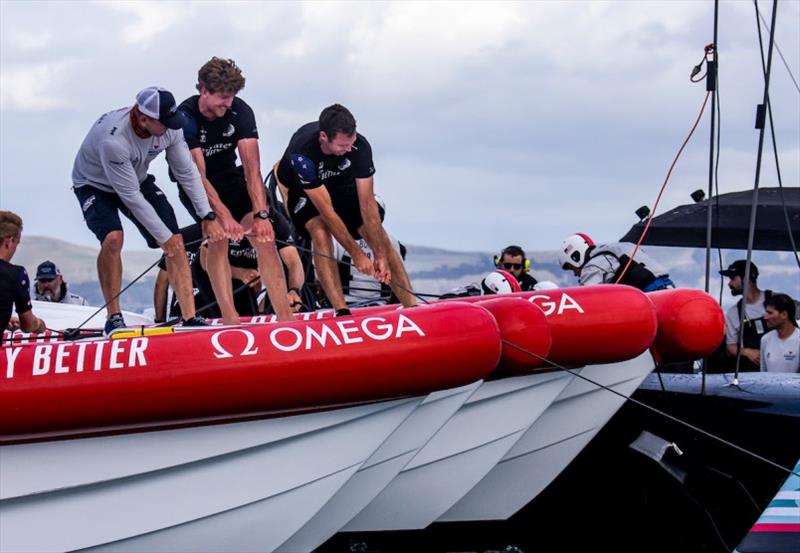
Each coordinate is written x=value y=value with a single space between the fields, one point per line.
x=774 y=141
x=392 y=282
x=760 y=114
x=72 y=332
x=778 y=48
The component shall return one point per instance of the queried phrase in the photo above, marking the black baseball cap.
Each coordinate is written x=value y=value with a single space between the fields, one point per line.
x=160 y=104
x=47 y=270
x=737 y=269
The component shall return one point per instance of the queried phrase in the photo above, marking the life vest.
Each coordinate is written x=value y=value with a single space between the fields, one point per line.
x=637 y=275
x=753 y=329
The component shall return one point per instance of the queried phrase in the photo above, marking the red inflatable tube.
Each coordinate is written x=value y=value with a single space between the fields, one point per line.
x=691 y=325
x=594 y=324
x=591 y=324
x=525 y=326
x=216 y=372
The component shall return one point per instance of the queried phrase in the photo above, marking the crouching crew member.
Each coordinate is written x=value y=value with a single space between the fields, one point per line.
x=110 y=176
x=605 y=263
x=328 y=170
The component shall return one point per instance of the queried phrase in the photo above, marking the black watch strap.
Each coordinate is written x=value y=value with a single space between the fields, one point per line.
x=210 y=216
x=263 y=214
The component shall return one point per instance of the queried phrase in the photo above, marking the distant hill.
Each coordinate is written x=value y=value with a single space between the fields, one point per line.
x=432 y=270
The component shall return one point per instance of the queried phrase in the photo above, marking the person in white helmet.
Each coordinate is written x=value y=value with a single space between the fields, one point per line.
x=609 y=264
x=499 y=282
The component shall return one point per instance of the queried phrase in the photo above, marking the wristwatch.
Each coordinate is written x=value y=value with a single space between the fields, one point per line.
x=210 y=216
x=263 y=214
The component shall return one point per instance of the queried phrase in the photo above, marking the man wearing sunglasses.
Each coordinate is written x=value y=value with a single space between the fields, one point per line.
x=513 y=260
x=50 y=286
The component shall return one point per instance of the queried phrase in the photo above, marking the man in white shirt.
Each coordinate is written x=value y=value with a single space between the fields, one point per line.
x=780 y=348
x=110 y=176
x=754 y=324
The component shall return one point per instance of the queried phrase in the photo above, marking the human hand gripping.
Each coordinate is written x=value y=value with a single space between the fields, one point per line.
x=262 y=229
x=230 y=226
x=295 y=301
x=213 y=231
x=173 y=246
x=363 y=263
x=382 y=272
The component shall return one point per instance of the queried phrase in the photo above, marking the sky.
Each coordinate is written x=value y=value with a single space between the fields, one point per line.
x=490 y=123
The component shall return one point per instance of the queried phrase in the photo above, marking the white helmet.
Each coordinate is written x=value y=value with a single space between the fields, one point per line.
x=545 y=285
x=574 y=251
x=499 y=282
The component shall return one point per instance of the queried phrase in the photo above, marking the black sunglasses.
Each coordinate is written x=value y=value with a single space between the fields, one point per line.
x=512 y=265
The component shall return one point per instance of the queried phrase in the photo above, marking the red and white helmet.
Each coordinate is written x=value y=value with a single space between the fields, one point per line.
x=574 y=251
x=500 y=282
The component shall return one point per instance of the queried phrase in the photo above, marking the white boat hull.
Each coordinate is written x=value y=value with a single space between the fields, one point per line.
x=288 y=484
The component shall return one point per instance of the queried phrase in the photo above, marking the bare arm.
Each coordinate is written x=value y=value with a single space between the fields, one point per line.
x=322 y=201
x=251 y=161
x=248 y=153
x=231 y=228
x=372 y=228
x=28 y=322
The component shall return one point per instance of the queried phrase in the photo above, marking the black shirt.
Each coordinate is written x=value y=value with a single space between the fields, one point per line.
x=240 y=253
x=304 y=166
x=14 y=290
x=526 y=282
x=218 y=138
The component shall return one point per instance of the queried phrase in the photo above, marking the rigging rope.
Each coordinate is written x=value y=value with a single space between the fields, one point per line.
x=663 y=187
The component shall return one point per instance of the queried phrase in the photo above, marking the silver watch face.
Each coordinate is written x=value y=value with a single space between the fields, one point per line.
x=263 y=214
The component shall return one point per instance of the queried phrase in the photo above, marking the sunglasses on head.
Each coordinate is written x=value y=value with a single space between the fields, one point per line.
x=512 y=265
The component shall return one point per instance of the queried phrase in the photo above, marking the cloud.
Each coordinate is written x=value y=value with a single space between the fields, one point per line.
x=34 y=87
x=147 y=20
x=30 y=39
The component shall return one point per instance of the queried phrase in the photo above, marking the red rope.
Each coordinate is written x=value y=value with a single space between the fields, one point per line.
x=663 y=187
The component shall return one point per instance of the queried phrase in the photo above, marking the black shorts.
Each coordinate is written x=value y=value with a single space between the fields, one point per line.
x=101 y=210
x=231 y=187
x=345 y=204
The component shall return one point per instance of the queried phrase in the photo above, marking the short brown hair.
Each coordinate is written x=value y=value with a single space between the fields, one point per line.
x=337 y=119
x=220 y=75
x=10 y=225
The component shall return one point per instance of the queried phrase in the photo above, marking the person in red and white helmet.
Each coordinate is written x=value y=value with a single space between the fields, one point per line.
x=611 y=263
x=499 y=282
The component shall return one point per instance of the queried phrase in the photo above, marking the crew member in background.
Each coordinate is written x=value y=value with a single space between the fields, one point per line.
x=514 y=260
x=780 y=347
x=754 y=325
x=110 y=176
x=499 y=282
x=328 y=170
x=220 y=124
x=50 y=286
x=14 y=281
x=605 y=263
x=244 y=270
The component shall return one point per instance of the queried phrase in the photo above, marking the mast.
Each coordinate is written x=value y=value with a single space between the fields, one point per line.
x=711 y=86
